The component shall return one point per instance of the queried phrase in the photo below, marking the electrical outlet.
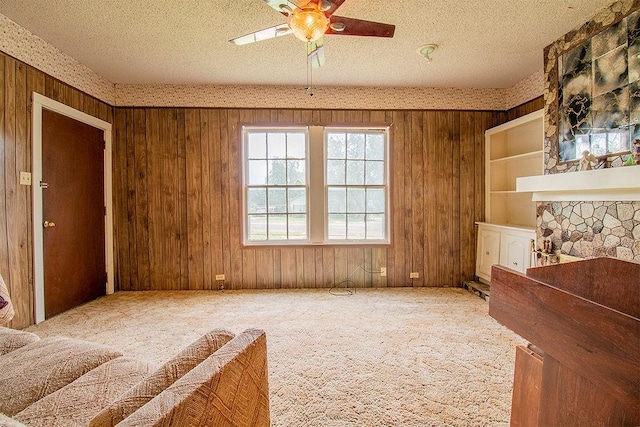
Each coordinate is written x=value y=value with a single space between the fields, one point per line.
x=414 y=275
x=383 y=271
x=25 y=178
x=219 y=276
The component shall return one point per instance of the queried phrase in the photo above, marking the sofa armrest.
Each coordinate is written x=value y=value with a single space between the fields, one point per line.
x=229 y=388
x=134 y=398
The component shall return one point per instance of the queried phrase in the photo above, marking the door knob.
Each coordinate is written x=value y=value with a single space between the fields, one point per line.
x=48 y=224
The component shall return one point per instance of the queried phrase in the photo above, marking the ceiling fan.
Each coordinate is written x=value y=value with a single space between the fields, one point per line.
x=309 y=20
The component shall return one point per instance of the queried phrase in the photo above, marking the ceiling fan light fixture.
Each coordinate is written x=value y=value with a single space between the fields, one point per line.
x=426 y=51
x=337 y=26
x=325 y=5
x=308 y=24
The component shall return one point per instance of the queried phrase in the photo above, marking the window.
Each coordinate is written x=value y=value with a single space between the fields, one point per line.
x=315 y=185
x=356 y=185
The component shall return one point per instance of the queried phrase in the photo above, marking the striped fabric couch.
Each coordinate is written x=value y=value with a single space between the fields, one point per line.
x=219 y=380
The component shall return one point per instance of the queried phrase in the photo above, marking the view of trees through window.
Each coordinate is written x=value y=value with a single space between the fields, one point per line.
x=277 y=186
x=356 y=181
x=353 y=192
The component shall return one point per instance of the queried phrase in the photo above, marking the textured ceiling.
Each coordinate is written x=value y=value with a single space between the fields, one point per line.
x=483 y=43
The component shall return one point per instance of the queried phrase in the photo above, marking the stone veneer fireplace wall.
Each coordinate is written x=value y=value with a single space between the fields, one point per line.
x=581 y=228
x=590 y=229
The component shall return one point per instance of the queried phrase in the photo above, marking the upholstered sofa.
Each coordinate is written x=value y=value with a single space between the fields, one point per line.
x=219 y=380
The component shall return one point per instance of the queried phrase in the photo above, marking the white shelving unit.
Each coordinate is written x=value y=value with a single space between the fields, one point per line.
x=513 y=150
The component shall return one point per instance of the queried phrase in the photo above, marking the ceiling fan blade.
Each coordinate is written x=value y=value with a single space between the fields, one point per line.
x=283 y=6
x=315 y=53
x=267 y=33
x=359 y=27
x=335 y=4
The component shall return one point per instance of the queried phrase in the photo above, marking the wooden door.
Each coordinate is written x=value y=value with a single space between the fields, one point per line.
x=73 y=212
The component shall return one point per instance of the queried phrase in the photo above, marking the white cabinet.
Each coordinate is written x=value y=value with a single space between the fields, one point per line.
x=513 y=150
x=516 y=249
x=488 y=251
x=505 y=245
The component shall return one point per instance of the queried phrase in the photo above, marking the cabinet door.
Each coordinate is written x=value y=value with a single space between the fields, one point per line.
x=515 y=252
x=488 y=252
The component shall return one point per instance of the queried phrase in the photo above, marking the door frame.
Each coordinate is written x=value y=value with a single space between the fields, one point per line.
x=41 y=102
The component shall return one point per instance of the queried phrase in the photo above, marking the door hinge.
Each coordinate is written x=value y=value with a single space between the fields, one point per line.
x=105 y=210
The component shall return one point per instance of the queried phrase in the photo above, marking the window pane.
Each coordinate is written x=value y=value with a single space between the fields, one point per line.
x=337 y=200
x=355 y=200
x=297 y=227
x=336 y=146
x=297 y=200
x=355 y=226
x=375 y=147
x=296 y=145
x=296 y=172
x=375 y=200
x=276 y=146
x=375 y=226
x=277 y=172
x=257 y=200
x=257 y=172
x=617 y=141
x=335 y=172
x=337 y=227
x=257 y=227
x=582 y=143
x=374 y=173
x=257 y=145
x=355 y=172
x=355 y=146
x=277 y=227
x=277 y=200
x=598 y=144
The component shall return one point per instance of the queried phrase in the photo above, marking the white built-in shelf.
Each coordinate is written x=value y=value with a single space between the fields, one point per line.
x=513 y=150
x=532 y=154
x=613 y=184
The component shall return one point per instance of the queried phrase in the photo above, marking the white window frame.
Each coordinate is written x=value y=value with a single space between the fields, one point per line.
x=316 y=185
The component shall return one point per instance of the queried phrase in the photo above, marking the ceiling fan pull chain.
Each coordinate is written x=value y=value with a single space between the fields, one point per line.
x=309 y=72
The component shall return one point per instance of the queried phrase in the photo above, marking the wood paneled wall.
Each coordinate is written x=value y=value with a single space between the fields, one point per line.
x=17 y=82
x=177 y=189
x=524 y=109
x=178 y=207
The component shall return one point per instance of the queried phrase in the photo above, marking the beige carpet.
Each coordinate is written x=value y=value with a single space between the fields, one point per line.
x=381 y=357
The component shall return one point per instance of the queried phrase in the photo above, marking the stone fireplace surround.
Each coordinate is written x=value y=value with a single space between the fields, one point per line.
x=576 y=227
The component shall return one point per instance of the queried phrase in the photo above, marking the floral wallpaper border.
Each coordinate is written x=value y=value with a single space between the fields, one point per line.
x=29 y=48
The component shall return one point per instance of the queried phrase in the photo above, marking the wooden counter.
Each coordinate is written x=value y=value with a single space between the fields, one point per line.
x=584 y=319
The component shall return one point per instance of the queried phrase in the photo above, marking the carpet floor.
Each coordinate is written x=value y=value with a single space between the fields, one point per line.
x=380 y=357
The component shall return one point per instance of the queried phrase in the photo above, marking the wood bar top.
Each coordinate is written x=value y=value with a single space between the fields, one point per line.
x=590 y=328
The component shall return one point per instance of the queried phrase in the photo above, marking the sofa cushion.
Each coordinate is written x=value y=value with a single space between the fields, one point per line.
x=40 y=368
x=229 y=388
x=11 y=339
x=76 y=403
x=6 y=308
x=162 y=378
